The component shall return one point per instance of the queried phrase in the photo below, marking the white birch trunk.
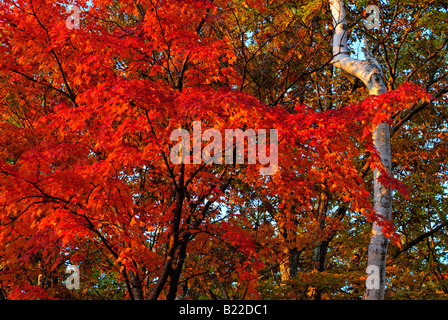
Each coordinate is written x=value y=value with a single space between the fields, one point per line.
x=370 y=73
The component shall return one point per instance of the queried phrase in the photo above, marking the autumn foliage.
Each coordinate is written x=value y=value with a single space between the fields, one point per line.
x=85 y=171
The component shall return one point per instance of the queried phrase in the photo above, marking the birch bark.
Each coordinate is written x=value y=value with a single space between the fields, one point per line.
x=370 y=73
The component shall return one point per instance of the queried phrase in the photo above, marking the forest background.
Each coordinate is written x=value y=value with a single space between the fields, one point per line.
x=87 y=107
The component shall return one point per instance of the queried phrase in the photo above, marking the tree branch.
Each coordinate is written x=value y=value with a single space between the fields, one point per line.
x=418 y=239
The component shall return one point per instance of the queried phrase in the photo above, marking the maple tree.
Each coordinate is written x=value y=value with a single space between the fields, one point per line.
x=86 y=176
